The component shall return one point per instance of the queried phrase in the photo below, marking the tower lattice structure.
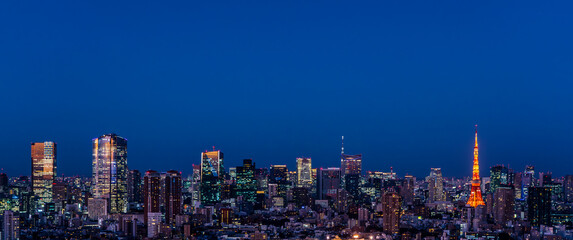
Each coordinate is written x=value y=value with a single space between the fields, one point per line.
x=475 y=196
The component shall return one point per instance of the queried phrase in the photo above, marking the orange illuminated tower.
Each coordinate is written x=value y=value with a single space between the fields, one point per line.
x=475 y=196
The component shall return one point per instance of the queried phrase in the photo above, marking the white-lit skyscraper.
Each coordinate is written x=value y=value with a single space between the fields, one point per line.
x=110 y=171
x=304 y=172
x=43 y=170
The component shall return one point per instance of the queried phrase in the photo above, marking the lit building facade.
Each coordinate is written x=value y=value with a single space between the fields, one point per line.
x=436 y=186
x=539 y=206
x=500 y=176
x=43 y=171
x=110 y=171
x=304 y=172
x=503 y=204
x=151 y=192
x=391 y=208
x=246 y=181
x=328 y=183
x=212 y=176
x=173 y=196
x=278 y=174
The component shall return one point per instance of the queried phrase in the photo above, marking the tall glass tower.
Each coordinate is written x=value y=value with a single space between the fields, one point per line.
x=110 y=171
x=43 y=170
x=212 y=173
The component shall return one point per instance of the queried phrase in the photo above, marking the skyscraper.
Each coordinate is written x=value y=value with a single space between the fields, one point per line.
x=246 y=181
x=539 y=206
x=11 y=226
x=43 y=171
x=350 y=164
x=212 y=172
x=391 y=208
x=134 y=191
x=172 y=196
x=500 y=176
x=151 y=192
x=503 y=205
x=278 y=174
x=328 y=182
x=304 y=172
x=110 y=171
x=436 y=186
x=475 y=198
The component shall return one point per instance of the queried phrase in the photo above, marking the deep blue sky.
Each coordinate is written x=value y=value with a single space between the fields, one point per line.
x=403 y=81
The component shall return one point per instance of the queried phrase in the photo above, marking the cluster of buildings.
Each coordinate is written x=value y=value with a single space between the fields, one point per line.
x=246 y=202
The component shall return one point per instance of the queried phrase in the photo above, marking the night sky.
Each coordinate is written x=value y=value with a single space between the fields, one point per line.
x=403 y=81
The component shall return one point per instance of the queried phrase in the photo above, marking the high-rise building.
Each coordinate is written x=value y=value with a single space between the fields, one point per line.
x=407 y=189
x=246 y=181
x=11 y=226
x=173 y=195
x=304 y=172
x=212 y=175
x=43 y=171
x=134 y=190
x=527 y=181
x=97 y=208
x=278 y=174
x=436 y=186
x=352 y=184
x=391 y=208
x=328 y=183
x=539 y=206
x=475 y=198
x=351 y=164
x=503 y=204
x=568 y=188
x=110 y=171
x=151 y=192
x=500 y=175
x=3 y=180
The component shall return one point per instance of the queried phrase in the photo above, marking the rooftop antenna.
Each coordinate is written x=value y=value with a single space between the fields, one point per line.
x=213 y=148
x=342 y=151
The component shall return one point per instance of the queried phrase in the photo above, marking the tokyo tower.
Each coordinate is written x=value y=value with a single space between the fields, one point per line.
x=475 y=196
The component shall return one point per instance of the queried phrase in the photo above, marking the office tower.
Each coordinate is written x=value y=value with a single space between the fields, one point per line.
x=304 y=172
x=11 y=225
x=539 y=206
x=475 y=198
x=3 y=180
x=173 y=194
x=212 y=175
x=503 y=204
x=151 y=192
x=568 y=188
x=436 y=186
x=500 y=176
x=110 y=171
x=407 y=189
x=246 y=181
x=352 y=184
x=134 y=190
x=43 y=171
x=517 y=185
x=59 y=192
x=527 y=180
x=328 y=183
x=196 y=185
x=278 y=174
x=391 y=208
x=262 y=177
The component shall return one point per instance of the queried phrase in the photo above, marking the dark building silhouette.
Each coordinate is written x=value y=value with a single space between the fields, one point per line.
x=539 y=206
x=151 y=193
x=173 y=194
